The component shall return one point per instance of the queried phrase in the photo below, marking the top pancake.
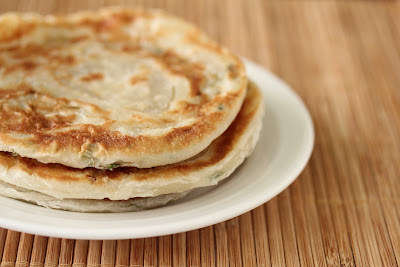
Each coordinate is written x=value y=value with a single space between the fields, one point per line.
x=113 y=88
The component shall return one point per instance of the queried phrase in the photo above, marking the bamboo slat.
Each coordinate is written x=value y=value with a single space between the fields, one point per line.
x=193 y=248
x=150 y=252
x=207 y=249
x=38 y=251
x=221 y=245
x=233 y=235
x=108 y=253
x=66 y=252
x=24 y=250
x=94 y=253
x=81 y=253
x=179 y=249
x=123 y=250
x=343 y=59
x=137 y=252
x=10 y=248
x=165 y=251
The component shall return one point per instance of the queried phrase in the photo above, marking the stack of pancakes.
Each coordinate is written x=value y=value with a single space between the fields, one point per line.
x=118 y=110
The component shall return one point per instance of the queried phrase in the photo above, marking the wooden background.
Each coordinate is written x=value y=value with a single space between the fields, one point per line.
x=343 y=59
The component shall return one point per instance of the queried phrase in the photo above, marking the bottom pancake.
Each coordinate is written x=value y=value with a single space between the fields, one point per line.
x=88 y=205
x=66 y=184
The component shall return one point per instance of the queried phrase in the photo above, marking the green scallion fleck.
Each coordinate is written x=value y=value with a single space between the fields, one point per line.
x=112 y=166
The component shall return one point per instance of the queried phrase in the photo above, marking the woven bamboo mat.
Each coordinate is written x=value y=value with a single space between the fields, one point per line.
x=343 y=59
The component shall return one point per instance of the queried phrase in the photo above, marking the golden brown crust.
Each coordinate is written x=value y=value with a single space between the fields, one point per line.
x=80 y=132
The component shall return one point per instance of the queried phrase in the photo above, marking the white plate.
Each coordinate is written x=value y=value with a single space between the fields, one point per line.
x=282 y=152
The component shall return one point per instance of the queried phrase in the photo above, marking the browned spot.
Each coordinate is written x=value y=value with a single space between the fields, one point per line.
x=92 y=77
x=92 y=133
x=103 y=25
x=22 y=90
x=28 y=50
x=26 y=113
x=33 y=51
x=110 y=23
x=186 y=109
x=10 y=32
x=132 y=48
x=79 y=38
x=28 y=65
x=138 y=78
x=24 y=66
x=181 y=66
x=11 y=49
x=203 y=99
x=125 y=16
x=145 y=121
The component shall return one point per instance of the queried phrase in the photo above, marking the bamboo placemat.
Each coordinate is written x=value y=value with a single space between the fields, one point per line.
x=343 y=59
